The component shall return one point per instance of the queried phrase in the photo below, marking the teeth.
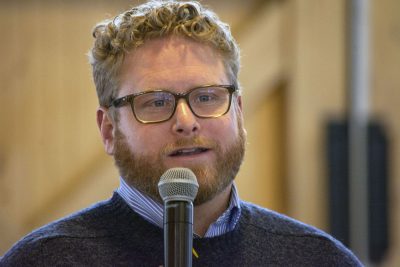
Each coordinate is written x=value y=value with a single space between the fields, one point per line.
x=188 y=150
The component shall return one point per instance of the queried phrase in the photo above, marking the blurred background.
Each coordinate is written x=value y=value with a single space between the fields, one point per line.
x=295 y=75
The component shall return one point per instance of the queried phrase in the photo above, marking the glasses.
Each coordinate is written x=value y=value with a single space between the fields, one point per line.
x=208 y=101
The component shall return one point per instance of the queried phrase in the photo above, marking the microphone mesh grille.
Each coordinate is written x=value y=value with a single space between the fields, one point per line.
x=178 y=184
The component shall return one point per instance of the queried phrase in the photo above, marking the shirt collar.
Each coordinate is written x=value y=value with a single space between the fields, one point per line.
x=152 y=210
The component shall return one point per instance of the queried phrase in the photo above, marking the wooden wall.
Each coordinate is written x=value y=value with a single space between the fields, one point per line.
x=49 y=138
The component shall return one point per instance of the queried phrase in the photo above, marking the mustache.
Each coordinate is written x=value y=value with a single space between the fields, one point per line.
x=189 y=142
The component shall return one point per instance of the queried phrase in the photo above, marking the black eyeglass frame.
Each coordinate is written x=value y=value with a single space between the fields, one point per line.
x=128 y=99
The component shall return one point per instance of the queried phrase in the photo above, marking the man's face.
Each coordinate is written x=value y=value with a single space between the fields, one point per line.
x=212 y=148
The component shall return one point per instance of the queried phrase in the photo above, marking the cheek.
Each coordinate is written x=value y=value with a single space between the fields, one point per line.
x=225 y=129
x=146 y=139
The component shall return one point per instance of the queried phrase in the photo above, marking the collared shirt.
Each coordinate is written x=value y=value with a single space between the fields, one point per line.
x=152 y=210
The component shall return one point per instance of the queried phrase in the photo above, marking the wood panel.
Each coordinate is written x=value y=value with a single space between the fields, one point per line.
x=48 y=107
x=317 y=93
x=262 y=178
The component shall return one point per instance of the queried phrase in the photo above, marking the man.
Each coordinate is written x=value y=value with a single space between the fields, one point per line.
x=166 y=78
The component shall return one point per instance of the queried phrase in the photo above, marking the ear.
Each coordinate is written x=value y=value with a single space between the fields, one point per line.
x=106 y=127
x=239 y=102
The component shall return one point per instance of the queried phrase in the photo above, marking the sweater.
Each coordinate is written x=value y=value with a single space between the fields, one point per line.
x=110 y=233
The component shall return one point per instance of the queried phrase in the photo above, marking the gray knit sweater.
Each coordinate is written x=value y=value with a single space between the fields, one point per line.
x=110 y=233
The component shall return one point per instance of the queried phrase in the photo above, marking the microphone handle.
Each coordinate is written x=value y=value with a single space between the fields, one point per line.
x=178 y=233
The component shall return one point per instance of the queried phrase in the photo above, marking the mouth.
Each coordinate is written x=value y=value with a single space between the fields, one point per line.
x=188 y=151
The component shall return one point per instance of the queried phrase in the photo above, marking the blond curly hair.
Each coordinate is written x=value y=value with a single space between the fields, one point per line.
x=155 y=19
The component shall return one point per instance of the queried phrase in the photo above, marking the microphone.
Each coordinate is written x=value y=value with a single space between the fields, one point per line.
x=178 y=188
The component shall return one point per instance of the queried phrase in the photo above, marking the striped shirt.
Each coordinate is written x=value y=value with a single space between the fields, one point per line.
x=152 y=210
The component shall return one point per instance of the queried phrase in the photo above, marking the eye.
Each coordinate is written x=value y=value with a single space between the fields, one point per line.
x=158 y=103
x=154 y=101
x=204 y=98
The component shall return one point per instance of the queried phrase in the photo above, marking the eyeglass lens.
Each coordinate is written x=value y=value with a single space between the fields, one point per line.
x=159 y=106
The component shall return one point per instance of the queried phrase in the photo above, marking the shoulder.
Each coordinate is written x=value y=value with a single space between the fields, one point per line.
x=275 y=222
x=288 y=234
x=90 y=223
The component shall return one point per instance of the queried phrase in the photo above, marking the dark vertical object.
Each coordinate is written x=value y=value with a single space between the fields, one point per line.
x=378 y=195
x=338 y=172
x=338 y=175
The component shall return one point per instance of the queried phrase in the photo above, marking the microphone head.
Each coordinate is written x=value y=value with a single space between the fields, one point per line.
x=178 y=184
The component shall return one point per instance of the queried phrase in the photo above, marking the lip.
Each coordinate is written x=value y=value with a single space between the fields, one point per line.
x=188 y=152
x=189 y=156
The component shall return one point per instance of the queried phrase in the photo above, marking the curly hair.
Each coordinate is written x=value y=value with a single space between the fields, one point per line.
x=156 y=19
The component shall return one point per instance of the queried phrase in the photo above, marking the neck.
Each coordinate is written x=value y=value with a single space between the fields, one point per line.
x=207 y=213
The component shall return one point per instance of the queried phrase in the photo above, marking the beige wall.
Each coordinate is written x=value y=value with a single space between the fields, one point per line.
x=262 y=176
x=294 y=62
x=317 y=78
x=49 y=136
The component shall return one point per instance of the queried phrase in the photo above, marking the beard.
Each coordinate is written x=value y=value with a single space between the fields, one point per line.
x=144 y=171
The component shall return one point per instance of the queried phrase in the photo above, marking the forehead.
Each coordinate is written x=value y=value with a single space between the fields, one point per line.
x=173 y=62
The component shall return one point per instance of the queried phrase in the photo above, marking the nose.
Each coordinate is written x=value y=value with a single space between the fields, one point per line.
x=185 y=122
